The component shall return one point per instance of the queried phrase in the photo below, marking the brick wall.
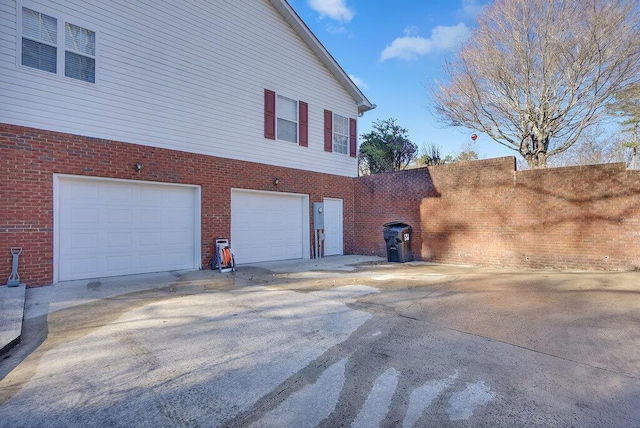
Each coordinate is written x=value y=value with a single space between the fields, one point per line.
x=486 y=213
x=483 y=212
x=381 y=198
x=29 y=158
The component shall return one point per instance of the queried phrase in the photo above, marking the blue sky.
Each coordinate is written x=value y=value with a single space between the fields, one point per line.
x=394 y=51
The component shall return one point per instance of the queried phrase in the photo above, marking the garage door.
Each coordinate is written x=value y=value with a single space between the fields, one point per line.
x=108 y=227
x=268 y=226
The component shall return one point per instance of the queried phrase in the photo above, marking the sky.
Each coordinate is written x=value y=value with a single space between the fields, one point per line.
x=395 y=51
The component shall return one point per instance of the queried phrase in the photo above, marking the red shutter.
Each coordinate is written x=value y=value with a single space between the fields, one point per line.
x=303 y=123
x=353 y=137
x=328 y=131
x=269 y=114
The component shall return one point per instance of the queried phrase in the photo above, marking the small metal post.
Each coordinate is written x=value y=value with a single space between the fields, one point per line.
x=14 y=278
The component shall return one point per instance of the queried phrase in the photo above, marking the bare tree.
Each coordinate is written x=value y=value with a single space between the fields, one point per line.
x=429 y=155
x=626 y=105
x=467 y=153
x=595 y=146
x=536 y=73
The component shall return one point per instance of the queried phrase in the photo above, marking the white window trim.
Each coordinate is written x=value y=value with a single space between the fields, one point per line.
x=334 y=132
x=280 y=94
x=61 y=21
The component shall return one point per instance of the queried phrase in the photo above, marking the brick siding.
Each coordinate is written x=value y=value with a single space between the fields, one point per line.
x=29 y=158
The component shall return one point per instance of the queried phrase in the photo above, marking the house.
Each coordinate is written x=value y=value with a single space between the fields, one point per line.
x=132 y=135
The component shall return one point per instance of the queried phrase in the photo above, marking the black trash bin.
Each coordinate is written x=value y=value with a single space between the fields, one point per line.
x=397 y=235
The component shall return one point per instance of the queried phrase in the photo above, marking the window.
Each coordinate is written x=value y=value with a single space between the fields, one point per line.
x=340 y=134
x=79 y=54
x=287 y=123
x=291 y=116
x=41 y=39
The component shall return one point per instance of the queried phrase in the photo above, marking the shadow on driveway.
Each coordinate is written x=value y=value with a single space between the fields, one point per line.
x=346 y=341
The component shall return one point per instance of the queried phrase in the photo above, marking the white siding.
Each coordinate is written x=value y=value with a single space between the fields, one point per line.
x=185 y=75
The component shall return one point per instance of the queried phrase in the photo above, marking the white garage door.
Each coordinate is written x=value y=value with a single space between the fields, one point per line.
x=108 y=227
x=268 y=226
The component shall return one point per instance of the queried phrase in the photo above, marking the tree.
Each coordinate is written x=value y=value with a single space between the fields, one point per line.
x=626 y=105
x=596 y=146
x=430 y=155
x=466 y=156
x=466 y=153
x=536 y=73
x=386 y=148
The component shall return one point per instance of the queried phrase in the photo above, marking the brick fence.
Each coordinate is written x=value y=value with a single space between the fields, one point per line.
x=487 y=213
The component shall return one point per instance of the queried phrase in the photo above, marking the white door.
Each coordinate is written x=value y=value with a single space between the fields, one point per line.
x=332 y=227
x=119 y=227
x=268 y=226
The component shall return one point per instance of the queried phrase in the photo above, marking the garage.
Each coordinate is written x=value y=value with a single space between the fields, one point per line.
x=105 y=227
x=267 y=226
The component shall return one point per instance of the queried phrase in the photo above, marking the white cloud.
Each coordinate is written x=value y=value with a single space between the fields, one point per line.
x=411 y=47
x=359 y=82
x=411 y=31
x=334 y=9
x=336 y=29
x=471 y=8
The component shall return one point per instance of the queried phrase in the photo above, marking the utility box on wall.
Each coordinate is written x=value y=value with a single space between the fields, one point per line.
x=318 y=215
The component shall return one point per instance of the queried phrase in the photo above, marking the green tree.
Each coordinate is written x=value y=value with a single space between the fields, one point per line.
x=449 y=159
x=386 y=148
x=466 y=156
x=466 y=153
x=536 y=73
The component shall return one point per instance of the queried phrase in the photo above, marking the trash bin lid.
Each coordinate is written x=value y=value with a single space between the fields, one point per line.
x=396 y=226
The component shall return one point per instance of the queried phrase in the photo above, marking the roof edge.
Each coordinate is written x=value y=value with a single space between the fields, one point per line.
x=298 y=25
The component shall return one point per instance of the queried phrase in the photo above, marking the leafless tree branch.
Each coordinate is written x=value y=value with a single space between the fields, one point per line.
x=536 y=73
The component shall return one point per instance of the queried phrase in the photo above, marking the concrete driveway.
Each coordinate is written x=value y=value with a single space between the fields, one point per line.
x=346 y=341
